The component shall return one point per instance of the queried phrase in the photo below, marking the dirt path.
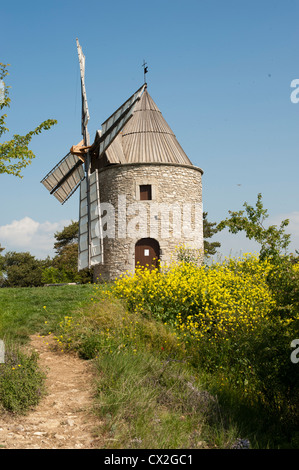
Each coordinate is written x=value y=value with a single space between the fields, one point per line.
x=63 y=419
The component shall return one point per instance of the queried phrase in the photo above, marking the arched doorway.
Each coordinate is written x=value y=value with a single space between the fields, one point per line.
x=147 y=253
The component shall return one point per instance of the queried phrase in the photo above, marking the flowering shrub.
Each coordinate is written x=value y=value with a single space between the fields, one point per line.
x=201 y=302
x=230 y=319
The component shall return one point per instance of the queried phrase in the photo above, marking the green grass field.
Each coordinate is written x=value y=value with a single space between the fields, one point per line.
x=23 y=311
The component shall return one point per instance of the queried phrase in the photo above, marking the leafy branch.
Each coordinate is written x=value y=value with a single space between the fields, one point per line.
x=273 y=240
x=15 y=154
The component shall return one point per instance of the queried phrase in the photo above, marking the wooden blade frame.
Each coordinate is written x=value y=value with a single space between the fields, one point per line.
x=114 y=124
x=64 y=178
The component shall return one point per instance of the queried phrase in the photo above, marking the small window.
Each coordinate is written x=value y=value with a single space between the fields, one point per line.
x=145 y=192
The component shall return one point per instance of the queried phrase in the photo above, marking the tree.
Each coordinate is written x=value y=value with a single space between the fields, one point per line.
x=67 y=237
x=209 y=230
x=64 y=266
x=273 y=240
x=21 y=270
x=66 y=246
x=15 y=154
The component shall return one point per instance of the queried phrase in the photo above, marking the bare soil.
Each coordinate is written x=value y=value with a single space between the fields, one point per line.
x=64 y=418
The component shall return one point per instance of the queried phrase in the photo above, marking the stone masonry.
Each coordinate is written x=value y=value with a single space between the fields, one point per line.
x=173 y=217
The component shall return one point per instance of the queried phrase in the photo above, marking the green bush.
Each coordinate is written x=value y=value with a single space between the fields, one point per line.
x=22 y=383
x=276 y=376
x=53 y=275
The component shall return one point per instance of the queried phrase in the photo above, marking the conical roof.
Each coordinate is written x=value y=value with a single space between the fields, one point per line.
x=147 y=138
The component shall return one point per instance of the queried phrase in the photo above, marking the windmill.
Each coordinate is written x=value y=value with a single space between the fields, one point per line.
x=74 y=171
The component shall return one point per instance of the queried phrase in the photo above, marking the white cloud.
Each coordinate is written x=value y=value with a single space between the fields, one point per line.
x=19 y=232
x=29 y=235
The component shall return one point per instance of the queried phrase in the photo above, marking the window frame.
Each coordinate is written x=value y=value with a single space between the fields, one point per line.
x=147 y=190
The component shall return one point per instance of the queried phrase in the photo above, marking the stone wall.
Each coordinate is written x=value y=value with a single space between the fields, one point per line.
x=176 y=193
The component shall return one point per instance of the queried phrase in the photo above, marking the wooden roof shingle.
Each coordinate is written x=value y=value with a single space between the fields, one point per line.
x=146 y=138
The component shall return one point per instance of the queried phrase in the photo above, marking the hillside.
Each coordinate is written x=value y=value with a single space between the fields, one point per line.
x=157 y=377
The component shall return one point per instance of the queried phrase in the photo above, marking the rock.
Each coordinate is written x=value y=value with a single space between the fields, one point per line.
x=70 y=422
x=241 y=444
x=19 y=428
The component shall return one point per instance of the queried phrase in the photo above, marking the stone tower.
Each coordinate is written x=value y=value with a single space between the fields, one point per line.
x=150 y=194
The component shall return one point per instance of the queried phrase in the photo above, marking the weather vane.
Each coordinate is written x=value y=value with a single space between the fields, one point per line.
x=145 y=70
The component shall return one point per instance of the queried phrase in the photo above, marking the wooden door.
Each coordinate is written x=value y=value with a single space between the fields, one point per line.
x=147 y=253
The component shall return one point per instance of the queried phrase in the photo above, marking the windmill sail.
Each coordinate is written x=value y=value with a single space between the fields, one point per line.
x=87 y=205
x=90 y=228
x=114 y=124
x=83 y=245
x=85 y=111
x=64 y=178
x=96 y=229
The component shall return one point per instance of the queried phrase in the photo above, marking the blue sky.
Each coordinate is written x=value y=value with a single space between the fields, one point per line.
x=219 y=70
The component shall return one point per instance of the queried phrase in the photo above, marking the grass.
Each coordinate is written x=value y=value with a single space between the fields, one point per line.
x=147 y=402
x=23 y=311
